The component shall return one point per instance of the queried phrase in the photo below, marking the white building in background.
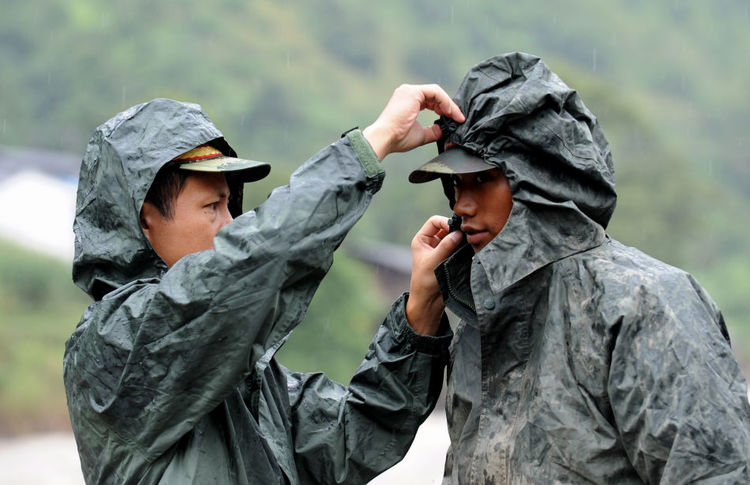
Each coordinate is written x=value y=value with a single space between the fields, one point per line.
x=38 y=213
x=37 y=196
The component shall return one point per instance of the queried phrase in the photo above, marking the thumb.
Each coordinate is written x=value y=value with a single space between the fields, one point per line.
x=432 y=133
x=448 y=244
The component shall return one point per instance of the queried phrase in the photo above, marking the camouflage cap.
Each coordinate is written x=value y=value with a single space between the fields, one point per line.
x=205 y=158
x=453 y=160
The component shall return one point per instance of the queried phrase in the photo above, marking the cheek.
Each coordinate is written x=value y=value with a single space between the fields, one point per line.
x=196 y=234
x=204 y=233
x=506 y=206
x=212 y=226
x=502 y=203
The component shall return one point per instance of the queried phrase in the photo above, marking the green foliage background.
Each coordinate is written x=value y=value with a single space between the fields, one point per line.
x=39 y=308
x=281 y=78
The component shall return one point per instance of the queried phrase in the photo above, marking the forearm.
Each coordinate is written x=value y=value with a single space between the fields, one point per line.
x=197 y=332
x=274 y=258
x=393 y=391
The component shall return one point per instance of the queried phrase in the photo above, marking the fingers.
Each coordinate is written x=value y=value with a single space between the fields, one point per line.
x=431 y=229
x=448 y=244
x=437 y=100
x=434 y=224
x=397 y=129
x=434 y=242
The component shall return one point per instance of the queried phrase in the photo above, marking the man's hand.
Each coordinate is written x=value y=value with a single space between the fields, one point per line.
x=397 y=128
x=430 y=246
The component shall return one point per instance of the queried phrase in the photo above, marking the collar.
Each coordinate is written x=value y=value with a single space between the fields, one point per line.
x=532 y=238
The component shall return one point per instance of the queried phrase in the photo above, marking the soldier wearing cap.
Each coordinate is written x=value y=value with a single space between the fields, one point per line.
x=577 y=359
x=170 y=374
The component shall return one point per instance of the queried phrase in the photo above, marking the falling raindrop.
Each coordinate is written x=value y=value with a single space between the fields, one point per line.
x=124 y=95
x=593 y=60
x=452 y=12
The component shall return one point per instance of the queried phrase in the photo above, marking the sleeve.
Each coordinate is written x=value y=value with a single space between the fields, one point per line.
x=348 y=435
x=678 y=395
x=151 y=359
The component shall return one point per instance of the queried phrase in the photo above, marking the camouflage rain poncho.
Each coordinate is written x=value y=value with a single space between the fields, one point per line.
x=578 y=359
x=170 y=374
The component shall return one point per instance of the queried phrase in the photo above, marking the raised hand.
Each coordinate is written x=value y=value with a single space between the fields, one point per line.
x=430 y=246
x=397 y=130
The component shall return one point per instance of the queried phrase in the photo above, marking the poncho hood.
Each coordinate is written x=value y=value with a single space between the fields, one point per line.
x=120 y=163
x=522 y=118
x=577 y=358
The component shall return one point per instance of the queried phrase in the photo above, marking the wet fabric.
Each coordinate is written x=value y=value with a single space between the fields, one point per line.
x=577 y=359
x=170 y=375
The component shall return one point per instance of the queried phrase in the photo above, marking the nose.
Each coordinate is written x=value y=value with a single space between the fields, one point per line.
x=466 y=204
x=227 y=217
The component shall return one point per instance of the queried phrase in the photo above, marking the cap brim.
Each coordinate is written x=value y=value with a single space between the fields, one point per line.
x=247 y=170
x=451 y=161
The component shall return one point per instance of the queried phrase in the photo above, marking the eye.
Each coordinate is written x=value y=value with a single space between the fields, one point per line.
x=456 y=180
x=483 y=177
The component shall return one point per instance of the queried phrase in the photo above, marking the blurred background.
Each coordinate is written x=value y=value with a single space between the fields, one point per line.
x=668 y=81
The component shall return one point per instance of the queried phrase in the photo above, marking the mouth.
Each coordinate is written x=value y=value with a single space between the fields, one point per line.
x=474 y=236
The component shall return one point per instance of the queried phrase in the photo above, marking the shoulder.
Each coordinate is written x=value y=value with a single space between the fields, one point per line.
x=103 y=315
x=628 y=284
x=613 y=266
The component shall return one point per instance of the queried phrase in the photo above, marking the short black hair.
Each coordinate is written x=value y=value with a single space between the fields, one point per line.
x=165 y=188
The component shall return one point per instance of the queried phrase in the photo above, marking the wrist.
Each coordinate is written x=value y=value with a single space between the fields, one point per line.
x=378 y=140
x=424 y=315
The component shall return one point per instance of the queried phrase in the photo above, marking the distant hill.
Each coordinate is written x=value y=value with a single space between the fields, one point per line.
x=668 y=81
x=283 y=77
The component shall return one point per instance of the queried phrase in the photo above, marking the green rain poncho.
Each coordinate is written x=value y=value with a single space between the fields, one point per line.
x=170 y=374
x=578 y=359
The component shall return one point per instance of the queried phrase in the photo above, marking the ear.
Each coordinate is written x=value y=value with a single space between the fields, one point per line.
x=148 y=214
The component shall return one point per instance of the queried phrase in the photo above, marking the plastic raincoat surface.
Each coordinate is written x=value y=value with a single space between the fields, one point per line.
x=577 y=359
x=170 y=374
